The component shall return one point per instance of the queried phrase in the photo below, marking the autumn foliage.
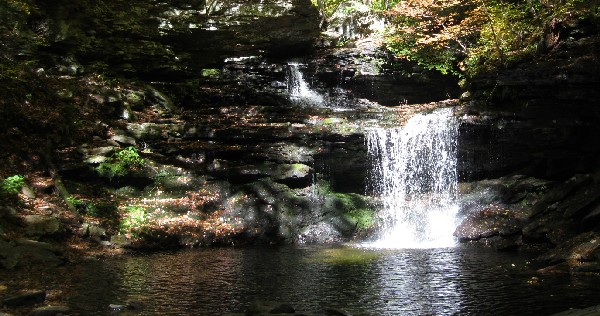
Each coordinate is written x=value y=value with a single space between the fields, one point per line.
x=466 y=36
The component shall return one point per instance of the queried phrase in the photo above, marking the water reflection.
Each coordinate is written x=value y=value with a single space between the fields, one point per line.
x=450 y=281
x=416 y=282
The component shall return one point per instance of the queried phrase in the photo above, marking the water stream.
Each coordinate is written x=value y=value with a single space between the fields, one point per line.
x=302 y=94
x=414 y=172
x=299 y=90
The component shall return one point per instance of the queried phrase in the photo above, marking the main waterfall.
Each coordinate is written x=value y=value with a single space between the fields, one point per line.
x=414 y=171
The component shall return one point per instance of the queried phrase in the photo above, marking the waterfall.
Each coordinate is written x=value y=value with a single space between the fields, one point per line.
x=299 y=90
x=414 y=171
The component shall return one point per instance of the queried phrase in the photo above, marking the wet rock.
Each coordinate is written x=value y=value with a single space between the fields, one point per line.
x=490 y=221
x=551 y=228
x=135 y=305
x=336 y=312
x=582 y=248
x=146 y=131
x=270 y=308
x=561 y=192
x=592 y=216
x=320 y=233
x=369 y=67
x=293 y=175
x=35 y=252
x=8 y=257
x=40 y=225
x=123 y=139
x=117 y=307
x=23 y=251
x=561 y=268
x=120 y=241
x=578 y=204
x=567 y=210
x=131 y=305
x=8 y=213
x=586 y=267
x=28 y=192
x=93 y=230
x=50 y=311
x=283 y=309
x=590 y=311
x=25 y=299
x=98 y=154
x=508 y=244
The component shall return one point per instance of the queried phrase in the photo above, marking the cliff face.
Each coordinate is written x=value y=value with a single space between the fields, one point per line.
x=538 y=119
x=197 y=92
x=172 y=40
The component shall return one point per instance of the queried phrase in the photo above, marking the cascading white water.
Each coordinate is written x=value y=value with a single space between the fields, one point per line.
x=299 y=90
x=415 y=172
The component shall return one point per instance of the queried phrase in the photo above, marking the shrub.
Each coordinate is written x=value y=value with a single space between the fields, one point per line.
x=134 y=220
x=121 y=163
x=13 y=184
x=471 y=36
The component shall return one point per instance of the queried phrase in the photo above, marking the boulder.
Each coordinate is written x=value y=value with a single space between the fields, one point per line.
x=40 y=225
x=490 y=221
x=23 y=251
x=270 y=308
x=582 y=248
x=8 y=257
x=98 y=154
x=123 y=139
x=146 y=131
x=590 y=311
x=25 y=299
x=50 y=311
x=330 y=311
x=8 y=212
x=93 y=230
x=131 y=305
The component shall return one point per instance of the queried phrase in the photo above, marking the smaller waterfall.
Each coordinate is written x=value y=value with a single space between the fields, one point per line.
x=414 y=171
x=299 y=90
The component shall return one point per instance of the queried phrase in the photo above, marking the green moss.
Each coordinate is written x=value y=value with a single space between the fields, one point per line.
x=213 y=73
x=364 y=218
x=332 y=120
x=355 y=210
x=134 y=97
x=75 y=201
x=351 y=206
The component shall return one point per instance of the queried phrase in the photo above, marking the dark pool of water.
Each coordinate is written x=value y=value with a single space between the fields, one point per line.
x=451 y=281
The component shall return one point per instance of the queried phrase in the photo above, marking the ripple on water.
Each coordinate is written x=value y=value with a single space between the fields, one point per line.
x=447 y=281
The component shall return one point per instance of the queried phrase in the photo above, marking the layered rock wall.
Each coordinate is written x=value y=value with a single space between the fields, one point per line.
x=538 y=121
x=158 y=40
x=538 y=117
